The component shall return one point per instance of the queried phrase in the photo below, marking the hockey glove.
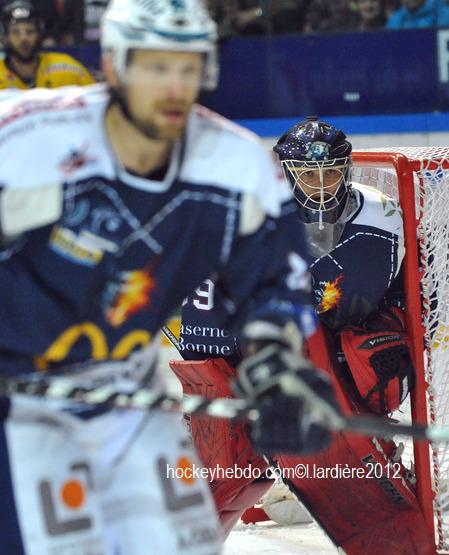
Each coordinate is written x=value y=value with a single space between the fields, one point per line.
x=292 y=397
x=378 y=356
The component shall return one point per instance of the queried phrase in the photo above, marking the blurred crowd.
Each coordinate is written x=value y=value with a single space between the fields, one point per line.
x=77 y=21
x=69 y=21
x=257 y=17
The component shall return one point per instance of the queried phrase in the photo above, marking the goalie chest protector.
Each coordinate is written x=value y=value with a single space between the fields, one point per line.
x=351 y=280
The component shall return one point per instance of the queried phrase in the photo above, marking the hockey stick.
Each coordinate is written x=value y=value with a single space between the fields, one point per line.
x=364 y=425
x=171 y=338
x=107 y=396
x=147 y=399
x=62 y=388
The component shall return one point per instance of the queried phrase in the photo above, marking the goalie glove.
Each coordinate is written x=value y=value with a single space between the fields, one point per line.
x=292 y=397
x=378 y=356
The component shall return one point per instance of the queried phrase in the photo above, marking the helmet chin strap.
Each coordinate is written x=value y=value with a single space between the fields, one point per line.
x=320 y=221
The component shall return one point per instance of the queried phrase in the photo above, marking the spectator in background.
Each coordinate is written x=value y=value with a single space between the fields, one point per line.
x=81 y=19
x=287 y=16
x=391 y=6
x=51 y=12
x=414 y=14
x=71 y=21
x=328 y=16
x=238 y=17
x=370 y=15
x=443 y=13
x=25 y=66
x=61 y=18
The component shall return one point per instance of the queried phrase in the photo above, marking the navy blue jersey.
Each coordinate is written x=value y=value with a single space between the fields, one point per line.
x=349 y=282
x=202 y=333
x=94 y=271
x=352 y=280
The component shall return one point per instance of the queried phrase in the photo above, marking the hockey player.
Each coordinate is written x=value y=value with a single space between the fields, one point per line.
x=355 y=241
x=116 y=202
x=25 y=66
x=355 y=237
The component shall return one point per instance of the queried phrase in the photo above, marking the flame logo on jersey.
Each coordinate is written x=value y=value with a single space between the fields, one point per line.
x=331 y=295
x=129 y=295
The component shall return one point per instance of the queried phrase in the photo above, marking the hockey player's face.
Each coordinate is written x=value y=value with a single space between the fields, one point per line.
x=320 y=183
x=160 y=90
x=22 y=41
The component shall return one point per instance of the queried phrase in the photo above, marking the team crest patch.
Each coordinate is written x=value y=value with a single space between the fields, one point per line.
x=317 y=151
x=75 y=160
x=127 y=295
x=329 y=295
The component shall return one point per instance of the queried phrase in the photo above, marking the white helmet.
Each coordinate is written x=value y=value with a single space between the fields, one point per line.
x=174 y=25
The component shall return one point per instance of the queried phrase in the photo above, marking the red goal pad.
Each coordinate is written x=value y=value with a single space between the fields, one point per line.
x=372 y=510
x=358 y=490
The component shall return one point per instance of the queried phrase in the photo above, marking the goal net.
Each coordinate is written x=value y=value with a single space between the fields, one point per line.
x=419 y=179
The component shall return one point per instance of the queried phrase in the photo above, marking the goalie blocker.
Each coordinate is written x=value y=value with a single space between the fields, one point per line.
x=374 y=515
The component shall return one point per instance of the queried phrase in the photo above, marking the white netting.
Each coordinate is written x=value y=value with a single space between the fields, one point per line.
x=431 y=193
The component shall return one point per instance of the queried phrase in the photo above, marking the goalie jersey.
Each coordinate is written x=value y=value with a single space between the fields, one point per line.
x=94 y=259
x=349 y=282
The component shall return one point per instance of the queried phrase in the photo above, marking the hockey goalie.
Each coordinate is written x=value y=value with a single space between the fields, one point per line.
x=355 y=239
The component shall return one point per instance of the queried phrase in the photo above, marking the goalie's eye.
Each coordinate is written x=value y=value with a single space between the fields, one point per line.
x=309 y=176
x=332 y=176
x=331 y=173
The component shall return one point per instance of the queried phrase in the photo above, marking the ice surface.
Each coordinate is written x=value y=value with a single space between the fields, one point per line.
x=267 y=538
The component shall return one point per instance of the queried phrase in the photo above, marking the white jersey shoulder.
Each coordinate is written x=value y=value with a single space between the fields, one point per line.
x=49 y=135
x=379 y=210
x=224 y=154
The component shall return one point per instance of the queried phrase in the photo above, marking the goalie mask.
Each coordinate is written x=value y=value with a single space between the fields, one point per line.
x=316 y=159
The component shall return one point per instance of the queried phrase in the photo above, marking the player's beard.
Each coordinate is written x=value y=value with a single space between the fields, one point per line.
x=148 y=126
x=171 y=131
x=23 y=56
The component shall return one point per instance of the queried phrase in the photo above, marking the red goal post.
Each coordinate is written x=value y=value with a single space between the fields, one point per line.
x=418 y=178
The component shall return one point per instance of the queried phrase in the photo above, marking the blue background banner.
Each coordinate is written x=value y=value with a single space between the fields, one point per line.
x=391 y=78
x=360 y=73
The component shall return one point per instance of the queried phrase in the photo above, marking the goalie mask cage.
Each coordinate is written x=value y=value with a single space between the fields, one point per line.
x=418 y=178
